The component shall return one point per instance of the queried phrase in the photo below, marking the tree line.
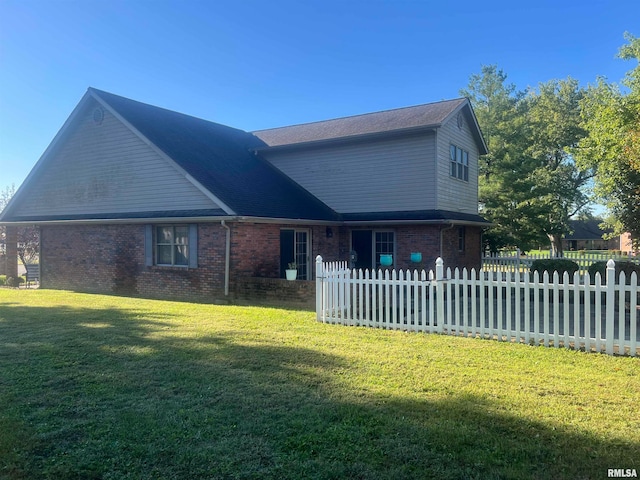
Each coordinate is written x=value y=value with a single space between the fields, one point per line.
x=553 y=151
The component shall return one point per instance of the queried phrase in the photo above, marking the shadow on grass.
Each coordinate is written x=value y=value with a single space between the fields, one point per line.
x=95 y=393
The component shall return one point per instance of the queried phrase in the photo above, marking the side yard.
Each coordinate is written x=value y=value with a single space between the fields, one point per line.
x=110 y=387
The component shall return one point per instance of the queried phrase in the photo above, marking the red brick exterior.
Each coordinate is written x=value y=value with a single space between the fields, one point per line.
x=111 y=259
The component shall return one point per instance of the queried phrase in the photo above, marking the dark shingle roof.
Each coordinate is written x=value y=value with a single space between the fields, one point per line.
x=436 y=216
x=219 y=158
x=586 y=230
x=420 y=116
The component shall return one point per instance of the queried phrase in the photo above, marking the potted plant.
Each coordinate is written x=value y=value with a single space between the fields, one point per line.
x=292 y=271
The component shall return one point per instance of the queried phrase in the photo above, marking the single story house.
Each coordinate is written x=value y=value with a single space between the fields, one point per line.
x=135 y=199
x=587 y=235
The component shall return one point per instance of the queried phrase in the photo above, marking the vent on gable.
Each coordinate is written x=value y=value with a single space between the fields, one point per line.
x=98 y=116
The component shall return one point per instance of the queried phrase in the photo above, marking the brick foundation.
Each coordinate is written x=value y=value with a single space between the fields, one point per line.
x=276 y=291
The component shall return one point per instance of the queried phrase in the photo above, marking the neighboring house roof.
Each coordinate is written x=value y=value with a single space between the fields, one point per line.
x=419 y=117
x=586 y=230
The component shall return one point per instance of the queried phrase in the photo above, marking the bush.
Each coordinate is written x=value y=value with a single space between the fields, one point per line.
x=551 y=265
x=621 y=266
x=3 y=280
x=14 y=281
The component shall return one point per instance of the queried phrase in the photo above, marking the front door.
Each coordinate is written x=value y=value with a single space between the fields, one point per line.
x=362 y=247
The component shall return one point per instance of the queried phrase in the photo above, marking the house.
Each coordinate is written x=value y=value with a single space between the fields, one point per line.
x=587 y=235
x=135 y=199
x=627 y=244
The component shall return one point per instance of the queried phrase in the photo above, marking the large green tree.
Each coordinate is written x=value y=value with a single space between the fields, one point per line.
x=529 y=184
x=559 y=186
x=612 y=148
x=501 y=191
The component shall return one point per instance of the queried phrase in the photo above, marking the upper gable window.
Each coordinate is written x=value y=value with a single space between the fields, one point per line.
x=459 y=160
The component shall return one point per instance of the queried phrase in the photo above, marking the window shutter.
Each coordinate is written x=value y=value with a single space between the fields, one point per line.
x=148 y=245
x=193 y=245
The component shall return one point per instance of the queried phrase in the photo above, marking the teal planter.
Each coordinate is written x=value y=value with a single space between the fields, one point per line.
x=416 y=257
x=386 y=260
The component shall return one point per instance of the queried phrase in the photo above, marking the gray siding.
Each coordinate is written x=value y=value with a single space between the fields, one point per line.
x=380 y=176
x=453 y=194
x=106 y=168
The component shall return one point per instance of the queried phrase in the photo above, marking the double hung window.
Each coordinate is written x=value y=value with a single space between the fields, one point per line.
x=459 y=161
x=171 y=245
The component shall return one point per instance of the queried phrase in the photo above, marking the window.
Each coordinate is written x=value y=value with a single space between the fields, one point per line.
x=171 y=245
x=384 y=245
x=459 y=163
x=461 y=239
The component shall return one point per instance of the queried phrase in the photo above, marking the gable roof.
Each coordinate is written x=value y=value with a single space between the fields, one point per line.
x=419 y=117
x=219 y=158
x=225 y=163
x=586 y=230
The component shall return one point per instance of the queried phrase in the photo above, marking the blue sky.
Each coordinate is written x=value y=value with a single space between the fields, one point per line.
x=258 y=64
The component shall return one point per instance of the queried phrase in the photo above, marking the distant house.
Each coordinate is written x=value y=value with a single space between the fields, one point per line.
x=626 y=244
x=132 y=198
x=587 y=235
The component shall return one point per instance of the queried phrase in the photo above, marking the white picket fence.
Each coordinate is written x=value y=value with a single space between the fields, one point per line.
x=516 y=262
x=578 y=313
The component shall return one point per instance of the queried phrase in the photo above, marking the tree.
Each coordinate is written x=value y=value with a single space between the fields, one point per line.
x=28 y=236
x=529 y=185
x=612 y=148
x=559 y=185
x=502 y=191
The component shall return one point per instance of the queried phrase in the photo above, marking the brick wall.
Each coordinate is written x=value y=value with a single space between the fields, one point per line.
x=426 y=240
x=255 y=248
x=110 y=259
x=275 y=291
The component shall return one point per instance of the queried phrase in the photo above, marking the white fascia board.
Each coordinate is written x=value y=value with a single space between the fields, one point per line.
x=166 y=157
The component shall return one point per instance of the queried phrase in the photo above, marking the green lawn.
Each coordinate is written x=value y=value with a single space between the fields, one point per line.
x=115 y=388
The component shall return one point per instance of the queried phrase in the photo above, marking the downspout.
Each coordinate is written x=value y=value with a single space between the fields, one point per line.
x=442 y=230
x=227 y=257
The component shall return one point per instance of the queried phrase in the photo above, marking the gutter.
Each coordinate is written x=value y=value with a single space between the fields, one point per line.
x=227 y=257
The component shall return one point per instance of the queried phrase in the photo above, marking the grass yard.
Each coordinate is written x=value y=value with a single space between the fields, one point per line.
x=100 y=387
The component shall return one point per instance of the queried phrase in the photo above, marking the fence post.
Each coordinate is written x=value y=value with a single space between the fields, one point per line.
x=319 y=289
x=611 y=284
x=440 y=293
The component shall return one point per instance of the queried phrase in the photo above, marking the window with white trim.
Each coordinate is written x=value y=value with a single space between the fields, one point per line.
x=172 y=245
x=459 y=161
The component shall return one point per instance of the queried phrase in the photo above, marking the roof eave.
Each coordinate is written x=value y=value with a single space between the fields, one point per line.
x=403 y=132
